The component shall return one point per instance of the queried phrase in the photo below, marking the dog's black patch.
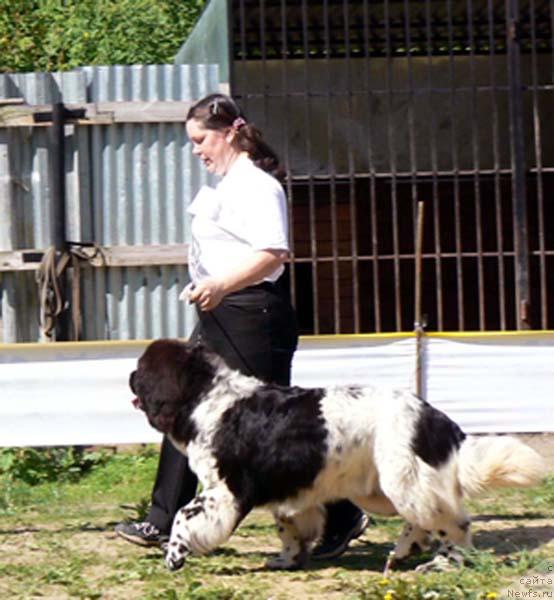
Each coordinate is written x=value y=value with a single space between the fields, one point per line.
x=436 y=436
x=271 y=445
x=195 y=507
x=415 y=548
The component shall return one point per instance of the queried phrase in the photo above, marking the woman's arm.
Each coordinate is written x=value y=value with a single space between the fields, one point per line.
x=210 y=291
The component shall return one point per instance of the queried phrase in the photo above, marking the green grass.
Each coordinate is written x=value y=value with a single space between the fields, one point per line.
x=57 y=541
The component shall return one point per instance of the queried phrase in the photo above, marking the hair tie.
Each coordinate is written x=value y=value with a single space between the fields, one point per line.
x=238 y=123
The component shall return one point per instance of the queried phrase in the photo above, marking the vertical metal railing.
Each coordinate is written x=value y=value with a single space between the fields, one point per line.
x=389 y=103
x=517 y=144
x=354 y=264
x=537 y=148
x=372 y=181
x=312 y=218
x=493 y=92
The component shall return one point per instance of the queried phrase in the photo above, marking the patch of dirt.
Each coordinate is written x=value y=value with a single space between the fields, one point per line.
x=119 y=570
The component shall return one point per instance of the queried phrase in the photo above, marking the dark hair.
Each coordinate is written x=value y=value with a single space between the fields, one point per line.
x=218 y=111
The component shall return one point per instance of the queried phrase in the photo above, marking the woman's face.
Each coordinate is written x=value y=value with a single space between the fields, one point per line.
x=212 y=147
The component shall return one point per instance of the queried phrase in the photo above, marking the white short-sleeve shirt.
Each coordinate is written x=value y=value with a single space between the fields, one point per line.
x=245 y=212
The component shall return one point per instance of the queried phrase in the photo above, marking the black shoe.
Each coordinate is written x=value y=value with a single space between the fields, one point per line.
x=143 y=534
x=335 y=544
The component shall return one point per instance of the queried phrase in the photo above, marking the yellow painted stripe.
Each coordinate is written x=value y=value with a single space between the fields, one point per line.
x=129 y=344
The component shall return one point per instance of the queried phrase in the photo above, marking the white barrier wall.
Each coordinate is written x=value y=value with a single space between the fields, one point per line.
x=77 y=393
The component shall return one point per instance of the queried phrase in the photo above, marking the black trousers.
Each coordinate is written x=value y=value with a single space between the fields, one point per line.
x=254 y=331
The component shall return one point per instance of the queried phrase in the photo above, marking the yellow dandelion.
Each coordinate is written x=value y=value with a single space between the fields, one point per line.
x=491 y=596
x=389 y=595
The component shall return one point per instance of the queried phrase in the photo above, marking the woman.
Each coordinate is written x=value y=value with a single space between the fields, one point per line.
x=239 y=246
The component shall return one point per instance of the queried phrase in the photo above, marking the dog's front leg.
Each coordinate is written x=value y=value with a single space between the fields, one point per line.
x=202 y=525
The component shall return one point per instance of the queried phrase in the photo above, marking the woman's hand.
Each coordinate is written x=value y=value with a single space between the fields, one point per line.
x=207 y=294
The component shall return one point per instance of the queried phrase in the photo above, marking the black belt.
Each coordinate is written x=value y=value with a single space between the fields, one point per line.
x=264 y=285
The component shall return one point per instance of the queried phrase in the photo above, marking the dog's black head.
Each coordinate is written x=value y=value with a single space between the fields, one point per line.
x=168 y=383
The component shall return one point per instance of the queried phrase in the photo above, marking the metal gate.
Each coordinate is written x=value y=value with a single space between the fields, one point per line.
x=378 y=105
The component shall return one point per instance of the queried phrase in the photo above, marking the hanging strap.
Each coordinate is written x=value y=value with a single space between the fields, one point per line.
x=49 y=278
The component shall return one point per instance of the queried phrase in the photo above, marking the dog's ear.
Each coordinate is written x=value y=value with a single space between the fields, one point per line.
x=195 y=370
x=132 y=381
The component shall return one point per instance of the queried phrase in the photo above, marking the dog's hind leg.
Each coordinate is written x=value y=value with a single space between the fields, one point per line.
x=454 y=535
x=202 y=525
x=297 y=534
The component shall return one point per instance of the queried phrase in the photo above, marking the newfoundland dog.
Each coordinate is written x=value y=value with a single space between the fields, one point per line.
x=293 y=450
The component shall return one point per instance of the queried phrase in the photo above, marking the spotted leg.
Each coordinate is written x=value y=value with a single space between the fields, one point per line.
x=412 y=539
x=454 y=536
x=202 y=525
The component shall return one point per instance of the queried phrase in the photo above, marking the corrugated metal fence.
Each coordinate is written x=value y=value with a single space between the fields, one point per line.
x=127 y=184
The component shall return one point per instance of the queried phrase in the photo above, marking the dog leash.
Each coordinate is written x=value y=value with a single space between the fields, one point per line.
x=232 y=344
x=210 y=313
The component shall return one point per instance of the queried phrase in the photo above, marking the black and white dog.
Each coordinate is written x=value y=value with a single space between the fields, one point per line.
x=292 y=450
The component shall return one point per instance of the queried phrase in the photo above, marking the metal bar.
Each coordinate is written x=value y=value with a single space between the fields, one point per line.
x=352 y=182
x=231 y=46
x=392 y=154
x=58 y=177
x=286 y=155
x=312 y=211
x=456 y=174
x=539 y=177
x=496 y=159
x=476 y=160
x=58 y=216
x=331 y=171
x=517 y=145
x=435 y=168
x=411 y=121
x=552 y=39
x=371 y=168
x=243 y=42
x=264 y=63
x=408 y=256
x=445 y=175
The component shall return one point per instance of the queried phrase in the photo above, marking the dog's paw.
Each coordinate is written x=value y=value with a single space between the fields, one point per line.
x=439 y=564
x=174 y=561
x=281 y=563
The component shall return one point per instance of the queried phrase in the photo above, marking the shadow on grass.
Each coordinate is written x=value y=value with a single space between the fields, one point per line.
x=68 y=528
x=365 y=555
x=509 y=539
x=527 y=516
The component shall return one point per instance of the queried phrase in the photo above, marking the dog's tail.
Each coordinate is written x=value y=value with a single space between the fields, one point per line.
x=497 y=461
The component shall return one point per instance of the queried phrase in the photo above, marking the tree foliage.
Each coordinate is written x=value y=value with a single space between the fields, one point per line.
x=57 y=35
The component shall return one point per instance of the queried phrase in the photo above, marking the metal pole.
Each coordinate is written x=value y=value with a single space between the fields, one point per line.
x=58 y=217
x=517 y=142
x=58 y=177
